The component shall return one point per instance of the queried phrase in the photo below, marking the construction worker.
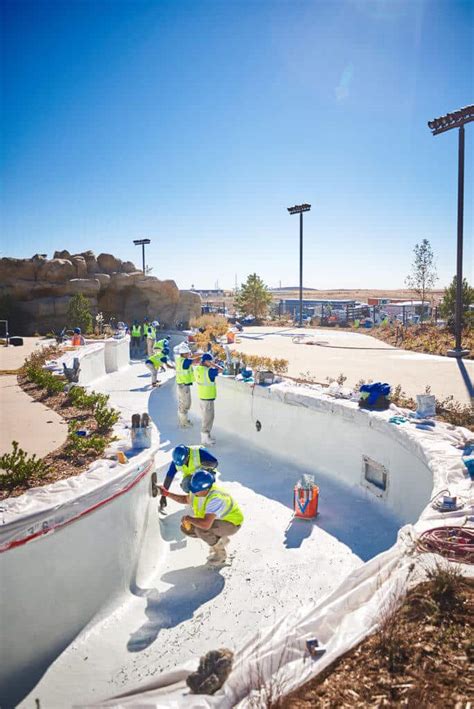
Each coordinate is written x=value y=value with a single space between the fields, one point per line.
x=187 y=459
x=163 y=346
x=155 y=364
x=216 y=516
x=205 y=375
x=77 y=338
x=150 y=334
x=136 y=333
x=183 y=362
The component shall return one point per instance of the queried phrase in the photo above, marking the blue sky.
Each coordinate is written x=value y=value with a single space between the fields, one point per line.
x=197 y=123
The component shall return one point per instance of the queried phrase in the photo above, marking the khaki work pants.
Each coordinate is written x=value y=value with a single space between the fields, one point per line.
x=153 y=370
x=184 y=398
x=212 y=535
x=149 y=346
x=207 y=416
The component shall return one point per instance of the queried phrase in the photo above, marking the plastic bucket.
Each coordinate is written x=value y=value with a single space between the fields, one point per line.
x=305 y=501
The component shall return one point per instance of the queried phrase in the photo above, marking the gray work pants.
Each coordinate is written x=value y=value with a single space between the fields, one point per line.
x=217 y=530
x=153 y=371
x=184 y=398
x=207 y=416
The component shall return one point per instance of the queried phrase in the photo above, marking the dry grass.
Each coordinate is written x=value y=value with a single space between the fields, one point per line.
x=425 y=338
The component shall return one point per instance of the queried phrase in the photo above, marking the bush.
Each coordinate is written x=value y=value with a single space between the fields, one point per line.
x=105 y=417
x=83 y=445
x=19 y=468
x=44 y=379
x=79 y=313
x=211 y=321
x=83 y=399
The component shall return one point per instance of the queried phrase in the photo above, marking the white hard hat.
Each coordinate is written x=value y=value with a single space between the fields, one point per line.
x=182 y=348
x=155 y=323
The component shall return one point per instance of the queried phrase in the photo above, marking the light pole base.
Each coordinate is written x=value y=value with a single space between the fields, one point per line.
x=457 y=353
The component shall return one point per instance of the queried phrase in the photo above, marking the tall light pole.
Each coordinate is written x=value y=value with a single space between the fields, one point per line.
x=457 y=119
x=142 y=243
x=299 y=209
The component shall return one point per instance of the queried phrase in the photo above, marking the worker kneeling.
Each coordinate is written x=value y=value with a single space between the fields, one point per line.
x=216 y=516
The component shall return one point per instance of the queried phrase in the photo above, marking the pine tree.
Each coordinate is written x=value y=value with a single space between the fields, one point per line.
x=253 y=298
x=79 y=313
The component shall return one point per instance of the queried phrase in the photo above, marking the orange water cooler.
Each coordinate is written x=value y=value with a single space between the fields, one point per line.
x=305 y=501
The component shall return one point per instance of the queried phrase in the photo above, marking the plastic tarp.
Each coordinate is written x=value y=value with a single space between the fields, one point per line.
x=275 y=661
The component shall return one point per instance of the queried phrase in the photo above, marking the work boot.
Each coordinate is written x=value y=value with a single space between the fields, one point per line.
x=217 y=554
x=183 y=421
x=207 y=440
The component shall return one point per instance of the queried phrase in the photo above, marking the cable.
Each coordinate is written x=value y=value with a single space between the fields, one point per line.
x=453 y=543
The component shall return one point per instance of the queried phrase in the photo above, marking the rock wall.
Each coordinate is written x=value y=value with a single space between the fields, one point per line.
x=35 y=293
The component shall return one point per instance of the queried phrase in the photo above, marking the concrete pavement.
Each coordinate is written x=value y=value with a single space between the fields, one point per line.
x=358 y=356
x=37 y=429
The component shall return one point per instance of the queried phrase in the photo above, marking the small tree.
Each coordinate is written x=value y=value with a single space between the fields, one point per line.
x=423 y=274
x=448 y=304
x=79 y=313
x=253 y=297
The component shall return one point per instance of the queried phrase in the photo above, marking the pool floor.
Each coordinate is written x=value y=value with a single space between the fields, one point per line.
x=277 y=563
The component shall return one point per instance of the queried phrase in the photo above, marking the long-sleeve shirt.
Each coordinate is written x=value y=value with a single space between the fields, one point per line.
x=208 y=462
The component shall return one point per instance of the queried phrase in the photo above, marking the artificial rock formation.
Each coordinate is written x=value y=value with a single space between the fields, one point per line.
x=37 y=292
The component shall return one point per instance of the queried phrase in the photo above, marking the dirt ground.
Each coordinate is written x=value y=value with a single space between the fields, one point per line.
x=422 y=657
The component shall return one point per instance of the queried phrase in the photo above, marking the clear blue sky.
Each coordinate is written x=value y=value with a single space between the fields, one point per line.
x=196 y=123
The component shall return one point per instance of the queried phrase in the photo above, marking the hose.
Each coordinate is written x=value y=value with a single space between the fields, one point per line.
x=453 y=543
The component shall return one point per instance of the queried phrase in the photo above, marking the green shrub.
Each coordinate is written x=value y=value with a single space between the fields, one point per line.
x=86 y=400
x=84 y=445
x=105 y=417
x=79 y=313
x=19 y=468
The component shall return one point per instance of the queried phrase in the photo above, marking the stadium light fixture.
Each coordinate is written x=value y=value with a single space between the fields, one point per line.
x=299 y=209
x=457 y=119
x=142 y=243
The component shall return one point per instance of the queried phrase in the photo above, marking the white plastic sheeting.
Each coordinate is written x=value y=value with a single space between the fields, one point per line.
x=275 y=659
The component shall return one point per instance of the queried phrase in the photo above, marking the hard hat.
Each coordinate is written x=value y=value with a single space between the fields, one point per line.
x=182 y=348
x=180 y=455
x=201 y=480
x=77 y=330
x=207 y=357
x=155 y=323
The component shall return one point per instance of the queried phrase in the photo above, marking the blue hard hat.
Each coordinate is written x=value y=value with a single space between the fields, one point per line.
x=180 y=455
x=77 y=330
x=201 y=480
x=207 y=357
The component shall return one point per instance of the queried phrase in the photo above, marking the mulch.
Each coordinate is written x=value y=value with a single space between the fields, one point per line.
x=60 y=464
x=421 y=658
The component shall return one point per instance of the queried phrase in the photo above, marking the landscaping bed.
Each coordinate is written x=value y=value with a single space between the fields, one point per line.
x=421 y=657
x=83 y=411
x=426 y=338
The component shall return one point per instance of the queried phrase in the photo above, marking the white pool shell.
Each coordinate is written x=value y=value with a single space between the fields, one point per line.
x=70 y=553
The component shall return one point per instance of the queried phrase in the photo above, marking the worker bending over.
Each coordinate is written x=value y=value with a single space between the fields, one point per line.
x=215 y=514
x=188 y=459
x=205 y=375
x=155 y=363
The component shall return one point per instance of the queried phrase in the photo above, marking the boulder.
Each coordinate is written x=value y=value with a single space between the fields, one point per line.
x=57 y=270
x=91 y=262
x=128 y=267
x=62 y=254
x=119 y=280
x=13 y=269
x=86 y=286
x=80 y=265
x=109 y=264
x=103 y=278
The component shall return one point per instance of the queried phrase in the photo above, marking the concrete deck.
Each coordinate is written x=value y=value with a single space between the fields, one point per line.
x=358 y=356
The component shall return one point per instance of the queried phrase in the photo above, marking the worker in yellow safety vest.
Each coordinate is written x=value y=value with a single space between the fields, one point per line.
x=136 y=335
x=183 y=362
x=186 y=460
x=216 y=515
x=150 y=334
x=205 y=375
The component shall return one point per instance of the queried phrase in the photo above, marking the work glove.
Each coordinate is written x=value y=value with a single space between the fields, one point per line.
x=163 y=502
